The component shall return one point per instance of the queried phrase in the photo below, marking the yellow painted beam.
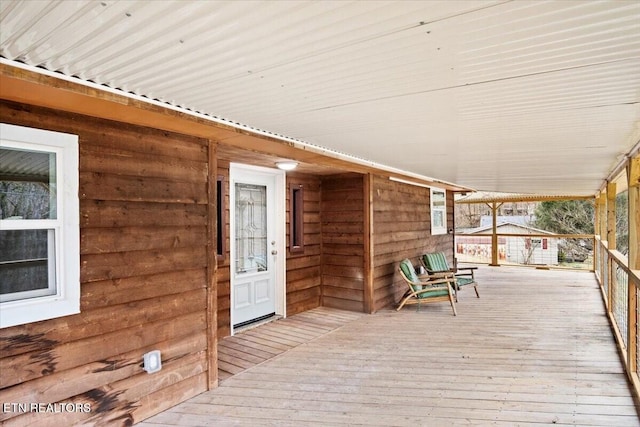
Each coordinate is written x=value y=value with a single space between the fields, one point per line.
x=494 y=234
x=633 y=176
x=611 y=215
x=634 y=213
x=602 y=208
x=596 y=221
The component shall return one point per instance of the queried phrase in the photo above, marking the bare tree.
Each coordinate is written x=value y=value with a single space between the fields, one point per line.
x=24 y=199
x=568 y=217
x=622 y=222
x=467 y=215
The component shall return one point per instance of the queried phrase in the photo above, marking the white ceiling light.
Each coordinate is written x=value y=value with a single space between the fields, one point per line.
x=287 y=166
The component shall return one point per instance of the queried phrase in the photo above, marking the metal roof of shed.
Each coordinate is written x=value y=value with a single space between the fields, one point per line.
x=492 y=196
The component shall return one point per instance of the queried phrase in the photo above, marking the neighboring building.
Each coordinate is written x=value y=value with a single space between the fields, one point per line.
x=475 y=245
x=526 y=220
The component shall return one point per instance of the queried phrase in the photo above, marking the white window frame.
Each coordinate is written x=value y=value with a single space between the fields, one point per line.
x=438 y=229
x=65 y=227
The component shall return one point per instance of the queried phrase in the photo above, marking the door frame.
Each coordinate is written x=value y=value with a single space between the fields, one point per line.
x=236 y=171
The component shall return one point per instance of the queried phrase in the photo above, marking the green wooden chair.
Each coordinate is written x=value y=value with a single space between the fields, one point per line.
x=436 y=264
x=424 y=290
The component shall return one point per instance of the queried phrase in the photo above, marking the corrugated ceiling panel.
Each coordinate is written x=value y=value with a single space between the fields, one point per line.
x=525 y=96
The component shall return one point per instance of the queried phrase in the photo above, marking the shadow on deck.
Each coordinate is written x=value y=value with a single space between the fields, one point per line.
x=535 y=349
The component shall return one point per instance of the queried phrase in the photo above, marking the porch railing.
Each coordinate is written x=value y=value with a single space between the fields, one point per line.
x=620 y=287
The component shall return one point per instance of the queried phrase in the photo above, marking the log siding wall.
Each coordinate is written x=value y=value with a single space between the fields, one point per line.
x=147 y=260
x=402 y=229
x=330 y=271
x=304 y=268
x=343 y=264
x=144 y=274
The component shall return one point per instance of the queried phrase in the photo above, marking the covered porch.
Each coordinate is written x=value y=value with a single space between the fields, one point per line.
x=388 y=108
x=536 y=348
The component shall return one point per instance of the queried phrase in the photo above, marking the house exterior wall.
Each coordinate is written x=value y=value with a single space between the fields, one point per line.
x=149 y=279
x=304 y=273
x=525 y=250
x=536 y=253
x=332 y=269
x=144 y=276
x=402 y=229
x=343 y=267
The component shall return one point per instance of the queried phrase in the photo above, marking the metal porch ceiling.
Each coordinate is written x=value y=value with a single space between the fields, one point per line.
x=517 y=96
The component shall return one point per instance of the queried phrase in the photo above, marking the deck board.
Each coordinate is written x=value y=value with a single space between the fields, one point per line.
x=536 y=349
x=256 y=345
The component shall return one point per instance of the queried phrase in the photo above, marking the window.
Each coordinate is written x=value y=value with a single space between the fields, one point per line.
x=39 y=225
x=438 y=211
x=221 y=223
x=532 y=242
x=296 y=218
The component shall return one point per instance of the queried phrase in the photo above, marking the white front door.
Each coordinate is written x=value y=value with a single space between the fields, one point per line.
x=257 y=243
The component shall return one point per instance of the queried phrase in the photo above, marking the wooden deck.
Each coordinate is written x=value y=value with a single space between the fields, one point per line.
x=256 y=345
x=535 y=349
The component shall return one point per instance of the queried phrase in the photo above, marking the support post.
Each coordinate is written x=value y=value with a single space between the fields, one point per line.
x=369 y=300
x=602 y=228
x=596 y=232
x=611 y=215
x=611 y=238
x=602 y=225
x=633 y=177
x=596 y=220
x=594 y=259
x=634 y=213
x=494 y=234
x=212 y=268
x=606 y=267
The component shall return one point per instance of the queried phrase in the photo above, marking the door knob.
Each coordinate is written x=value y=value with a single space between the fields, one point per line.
x=274 y=252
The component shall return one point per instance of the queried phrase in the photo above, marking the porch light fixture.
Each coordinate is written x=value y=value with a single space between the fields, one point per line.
x=287 y=166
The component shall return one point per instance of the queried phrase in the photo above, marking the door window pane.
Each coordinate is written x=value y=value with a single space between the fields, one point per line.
x=251 y=228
